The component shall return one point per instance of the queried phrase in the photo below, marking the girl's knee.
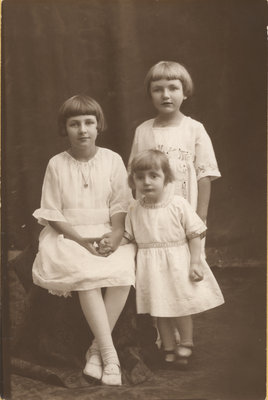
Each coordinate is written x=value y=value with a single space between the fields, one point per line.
x=122 y=289
x=89 y=293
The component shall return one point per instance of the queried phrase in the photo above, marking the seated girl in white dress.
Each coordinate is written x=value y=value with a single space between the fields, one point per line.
x=84 y=199
x=173 y=279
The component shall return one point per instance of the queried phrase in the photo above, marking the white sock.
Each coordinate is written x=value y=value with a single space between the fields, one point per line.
x=107 y=350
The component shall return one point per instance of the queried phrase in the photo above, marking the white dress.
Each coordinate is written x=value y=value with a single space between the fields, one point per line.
x=188 y=148
x=163 y=286
x=62 y=265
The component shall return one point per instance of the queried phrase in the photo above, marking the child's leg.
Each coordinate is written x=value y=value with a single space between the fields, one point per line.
x=115 y=299
x=166 y=331
x=185 y=328
x=95 y=313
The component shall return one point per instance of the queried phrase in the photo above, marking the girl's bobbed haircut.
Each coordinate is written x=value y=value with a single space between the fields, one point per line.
x=80 y=105
x=149 y=159
x=169 y=70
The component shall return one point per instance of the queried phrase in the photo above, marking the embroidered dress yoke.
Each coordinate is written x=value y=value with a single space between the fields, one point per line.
x=85 y=194
x=188 y=148
x=163 y=286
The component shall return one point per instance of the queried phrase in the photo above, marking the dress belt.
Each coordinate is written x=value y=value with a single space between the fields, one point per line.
x=162 y=244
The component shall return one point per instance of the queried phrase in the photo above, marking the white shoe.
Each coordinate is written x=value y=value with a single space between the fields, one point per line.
x=183 y=355
x=111 y=375
x=93 y=367
x=184 y=351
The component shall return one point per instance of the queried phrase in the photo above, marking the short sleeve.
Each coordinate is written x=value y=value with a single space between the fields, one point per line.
x=128 y=234
x=192 y=224
x=121 y=193
x=143 y=139
x=51 y=204
x=205 y=160
x=134 y=147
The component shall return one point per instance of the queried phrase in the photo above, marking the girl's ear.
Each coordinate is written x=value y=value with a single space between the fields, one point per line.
x=131 y=182
x=184 y=97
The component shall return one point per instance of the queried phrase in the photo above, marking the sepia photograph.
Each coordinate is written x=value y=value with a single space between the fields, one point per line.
x=134 y=199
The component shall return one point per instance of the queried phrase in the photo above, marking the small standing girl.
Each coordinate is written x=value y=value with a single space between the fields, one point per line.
x=84 y=200
x=173 y=279
x=183 y=139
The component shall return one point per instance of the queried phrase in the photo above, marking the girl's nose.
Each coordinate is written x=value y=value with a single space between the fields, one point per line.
x=165 y=93
x=146 y=180
x=83 y=128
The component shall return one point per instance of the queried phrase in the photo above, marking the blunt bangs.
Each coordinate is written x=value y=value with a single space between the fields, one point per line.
x=169 y=70
x=149 y=159
x=145 y=163
x=166 y=71
x=80 y=105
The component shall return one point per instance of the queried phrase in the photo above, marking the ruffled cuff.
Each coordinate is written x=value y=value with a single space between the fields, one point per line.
x=119 y=208
x=128 y=236
x=45 y=215
x=196 y=231
x=210 y=170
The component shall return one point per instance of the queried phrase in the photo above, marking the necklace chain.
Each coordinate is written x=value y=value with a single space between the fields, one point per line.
x=85 y=179
x=83 y=166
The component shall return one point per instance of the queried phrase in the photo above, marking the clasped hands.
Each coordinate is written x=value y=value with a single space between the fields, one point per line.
x=104 y=245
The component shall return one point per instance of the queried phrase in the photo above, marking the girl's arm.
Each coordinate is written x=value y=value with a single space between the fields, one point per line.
x=110 y=241
x=70 y=233
x=204 y=190
x=195 y=272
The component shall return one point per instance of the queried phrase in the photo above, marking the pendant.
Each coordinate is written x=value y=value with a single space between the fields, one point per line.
x=85 y=185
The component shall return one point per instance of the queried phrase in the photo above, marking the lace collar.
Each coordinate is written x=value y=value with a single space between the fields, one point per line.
x=77 y=162
x=161 y=204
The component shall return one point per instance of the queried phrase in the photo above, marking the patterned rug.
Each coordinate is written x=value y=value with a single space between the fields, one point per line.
x=228 y=361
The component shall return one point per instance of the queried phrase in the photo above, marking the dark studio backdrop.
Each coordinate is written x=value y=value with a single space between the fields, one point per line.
x=54 y=49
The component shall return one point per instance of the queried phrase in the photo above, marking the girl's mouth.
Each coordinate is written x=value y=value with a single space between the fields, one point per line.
x=147 y=190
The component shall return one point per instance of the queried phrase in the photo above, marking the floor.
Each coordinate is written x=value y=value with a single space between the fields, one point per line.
x=228 y=362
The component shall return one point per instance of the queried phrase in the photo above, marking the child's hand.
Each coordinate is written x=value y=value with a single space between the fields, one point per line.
x=124 y=241
x=88 y=244
x=110 y=241
x=105 y=248
x=196 y=273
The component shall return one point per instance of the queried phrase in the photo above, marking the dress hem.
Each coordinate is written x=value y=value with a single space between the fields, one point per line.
x=67 y=292
x=183 y=314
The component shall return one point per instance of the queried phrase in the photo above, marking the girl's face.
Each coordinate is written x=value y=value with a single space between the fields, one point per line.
x=82 y=131
x=150 y=183
x=167 y=95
